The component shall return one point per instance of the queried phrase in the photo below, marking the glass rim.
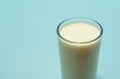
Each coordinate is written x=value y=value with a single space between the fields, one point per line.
x=98 y=25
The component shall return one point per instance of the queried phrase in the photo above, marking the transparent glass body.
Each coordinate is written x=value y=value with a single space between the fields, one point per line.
x=79 y=59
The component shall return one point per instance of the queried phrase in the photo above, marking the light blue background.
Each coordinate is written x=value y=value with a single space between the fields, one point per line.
x=28 y=39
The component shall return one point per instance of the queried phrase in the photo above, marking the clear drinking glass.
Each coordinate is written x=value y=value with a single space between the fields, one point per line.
x=79 y=59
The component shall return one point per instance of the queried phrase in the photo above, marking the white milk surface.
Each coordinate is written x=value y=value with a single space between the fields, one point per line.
x=79 y=61
x=79 y=32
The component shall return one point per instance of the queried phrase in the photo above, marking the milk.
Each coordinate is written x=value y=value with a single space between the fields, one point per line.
x=79 y=56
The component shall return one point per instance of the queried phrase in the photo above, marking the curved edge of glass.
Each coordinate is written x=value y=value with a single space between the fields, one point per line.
x=80 y=18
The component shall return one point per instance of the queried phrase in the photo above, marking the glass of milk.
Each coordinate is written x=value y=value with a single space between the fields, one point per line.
x=79 y=43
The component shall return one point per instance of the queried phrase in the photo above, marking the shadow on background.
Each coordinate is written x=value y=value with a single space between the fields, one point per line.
x=99 y=77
